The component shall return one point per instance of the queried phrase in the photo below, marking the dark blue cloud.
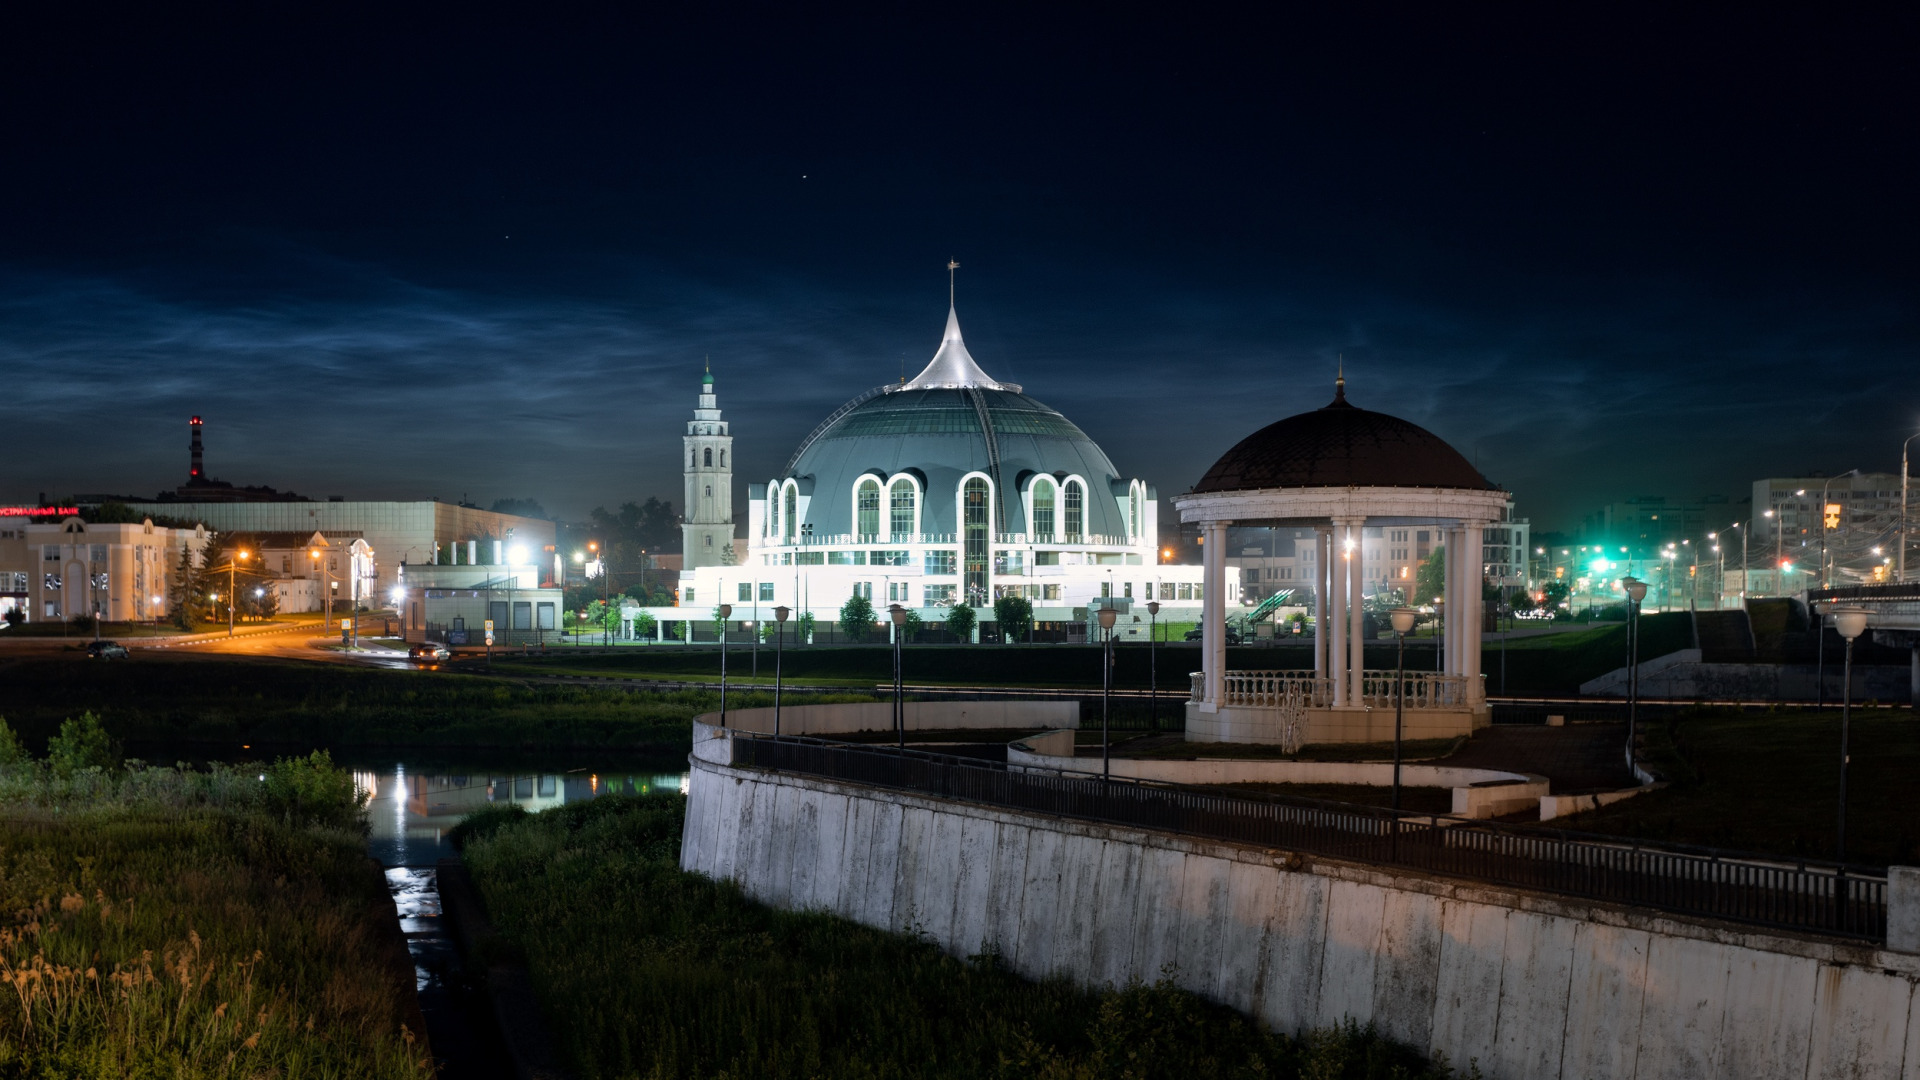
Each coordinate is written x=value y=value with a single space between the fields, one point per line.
x=460 y=257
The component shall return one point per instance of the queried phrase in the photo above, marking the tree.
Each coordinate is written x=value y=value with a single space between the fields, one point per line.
x=1431 y=579
x=597 y=613
x=189 y=588
x=529 y=508
x=856 y=617
x=643 y=625
x=610 y=618
x=803 y=628
x=260 y=601
x=1013 y=615
x=81 y=744
x=913 y=624
x=960 y=621
x=1554 y=593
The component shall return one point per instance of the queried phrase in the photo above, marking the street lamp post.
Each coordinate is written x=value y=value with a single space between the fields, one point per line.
x=779 y=640
x=1107 y=616
x=1636 y=591
x=899 y=616
x=1403 y=619
x=1851 y=622
x=1153 y=665
x=232 y=567
x=725 y=611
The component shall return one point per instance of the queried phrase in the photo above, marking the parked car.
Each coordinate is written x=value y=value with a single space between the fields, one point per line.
x=429 y=650
x=106 y=650
x=1233 y=635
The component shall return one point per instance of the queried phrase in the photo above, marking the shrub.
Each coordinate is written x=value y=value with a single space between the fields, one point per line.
x=312 y=790
x=11 y=752
x=960 y=620
x=81 y=744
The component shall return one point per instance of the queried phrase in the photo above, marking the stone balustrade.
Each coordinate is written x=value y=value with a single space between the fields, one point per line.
x=1305 y=689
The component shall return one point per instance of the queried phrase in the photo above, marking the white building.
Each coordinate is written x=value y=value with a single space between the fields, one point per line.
x=706 y=528
x=56 y=570
x=952 y=487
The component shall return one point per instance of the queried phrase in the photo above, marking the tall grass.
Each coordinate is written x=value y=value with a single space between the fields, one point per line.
x=208 y=703
x=164 y=922
x=646 y=971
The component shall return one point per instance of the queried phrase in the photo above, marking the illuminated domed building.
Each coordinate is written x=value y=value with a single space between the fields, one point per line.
x=951 y=486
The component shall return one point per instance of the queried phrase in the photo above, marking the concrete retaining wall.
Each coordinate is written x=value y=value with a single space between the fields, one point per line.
x=850 y=717
x=1686 y=679
x=1527 y=985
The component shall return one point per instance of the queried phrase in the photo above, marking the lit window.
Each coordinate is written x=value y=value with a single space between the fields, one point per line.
x=867 y=505
x=1043 y=509
x=1076 y=501
x=900 y=509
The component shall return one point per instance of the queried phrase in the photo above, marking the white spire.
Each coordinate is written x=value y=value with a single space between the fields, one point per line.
x=953 y=366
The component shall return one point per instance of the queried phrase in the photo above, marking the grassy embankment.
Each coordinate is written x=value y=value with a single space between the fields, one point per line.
x=215 y=707
x=1771 y=783
x=1547 y=664
x=648 y=971
x=155 y=922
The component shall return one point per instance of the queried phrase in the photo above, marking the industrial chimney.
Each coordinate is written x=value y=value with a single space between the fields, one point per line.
x=198 y=474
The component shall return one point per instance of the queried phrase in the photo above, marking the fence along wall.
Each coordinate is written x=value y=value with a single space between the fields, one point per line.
x=1527 y=985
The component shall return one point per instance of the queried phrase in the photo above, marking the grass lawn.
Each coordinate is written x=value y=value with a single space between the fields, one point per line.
x=644 y=970
x=1771 y=783
x=216 y=705
x=1535 y=665
x=161 y=923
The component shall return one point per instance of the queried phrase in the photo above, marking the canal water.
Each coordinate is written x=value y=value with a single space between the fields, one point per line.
x=412 y=806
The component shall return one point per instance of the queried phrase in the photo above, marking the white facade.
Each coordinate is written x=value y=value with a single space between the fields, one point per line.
x=62 y=570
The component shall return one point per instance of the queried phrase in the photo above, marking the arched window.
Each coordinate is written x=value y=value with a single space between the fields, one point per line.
x=867 y=508
x=693 y=459
x=900 y=509
x=1043 y=510
x=975 y=511
x=1076 y=500
x=791 y=512
x=723 y=459
x=709 y=456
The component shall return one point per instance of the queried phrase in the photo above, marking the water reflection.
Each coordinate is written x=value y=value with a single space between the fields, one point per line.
x=412 y=809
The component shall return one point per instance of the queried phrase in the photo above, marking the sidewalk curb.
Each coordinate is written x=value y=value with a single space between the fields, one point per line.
x=509 y=986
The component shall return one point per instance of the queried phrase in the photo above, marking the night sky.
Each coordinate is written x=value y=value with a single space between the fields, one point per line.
x=400 y=252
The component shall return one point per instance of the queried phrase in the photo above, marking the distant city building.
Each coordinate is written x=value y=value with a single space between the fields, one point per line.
x=58 y=570
x=1859 y=523
x=1650 y=522
x=707 y=526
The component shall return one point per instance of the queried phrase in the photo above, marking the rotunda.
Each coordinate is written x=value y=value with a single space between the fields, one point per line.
x=1342 y=470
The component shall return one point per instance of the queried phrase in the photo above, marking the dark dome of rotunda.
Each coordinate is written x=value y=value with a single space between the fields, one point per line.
x=1341 y=446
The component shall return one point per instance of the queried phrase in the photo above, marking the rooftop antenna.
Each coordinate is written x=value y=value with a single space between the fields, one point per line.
x=1340 y=379
x=951 y=267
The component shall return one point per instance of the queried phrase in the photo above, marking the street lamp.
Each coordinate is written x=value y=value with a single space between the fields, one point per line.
x=1851 y=622
x=1153 y=664
x=231 y=568
x=725 y=611
x=779 y=639
x=1107 y=615
x=899 y=616
x=1636 y=591
x=1403 y=619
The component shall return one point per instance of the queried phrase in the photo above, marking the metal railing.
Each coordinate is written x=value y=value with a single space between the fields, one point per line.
x=1800 y=895
x=1305 y=689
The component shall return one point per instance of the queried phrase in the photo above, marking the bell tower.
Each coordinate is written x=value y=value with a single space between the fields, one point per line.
x=706 y=527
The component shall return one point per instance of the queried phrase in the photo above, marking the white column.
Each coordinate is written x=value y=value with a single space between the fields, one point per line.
x=1451 y=647
x=1472 y=556
x=1321 y=568
x=1213 y=635
x=1337 y=638
x=1357 y=610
